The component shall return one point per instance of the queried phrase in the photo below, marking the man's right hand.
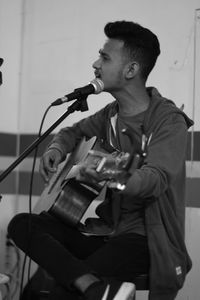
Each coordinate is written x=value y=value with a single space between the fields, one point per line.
x=49 y=163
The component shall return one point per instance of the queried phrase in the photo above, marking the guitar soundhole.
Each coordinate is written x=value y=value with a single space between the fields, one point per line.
x=73 y=201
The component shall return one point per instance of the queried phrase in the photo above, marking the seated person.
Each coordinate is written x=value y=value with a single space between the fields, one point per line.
x=140 y=227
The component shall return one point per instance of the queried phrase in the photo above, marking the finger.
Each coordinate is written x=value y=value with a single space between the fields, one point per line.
x=54 y=165
x=49 y=164
x=91 y=175
x=43 y=172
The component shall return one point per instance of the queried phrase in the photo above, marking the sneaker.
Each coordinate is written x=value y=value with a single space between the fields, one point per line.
x=112 y=290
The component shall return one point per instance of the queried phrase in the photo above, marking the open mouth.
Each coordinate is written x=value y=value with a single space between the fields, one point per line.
x=97 y=75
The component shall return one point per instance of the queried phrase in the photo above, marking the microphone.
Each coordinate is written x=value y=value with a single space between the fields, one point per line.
x=95 y=86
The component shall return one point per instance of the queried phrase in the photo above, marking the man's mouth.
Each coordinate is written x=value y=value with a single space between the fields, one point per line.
x=97 y=75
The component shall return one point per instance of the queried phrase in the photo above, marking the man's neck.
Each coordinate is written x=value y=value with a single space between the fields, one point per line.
x=132 y=101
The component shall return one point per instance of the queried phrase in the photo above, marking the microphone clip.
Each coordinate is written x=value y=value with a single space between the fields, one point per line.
x=83 y=105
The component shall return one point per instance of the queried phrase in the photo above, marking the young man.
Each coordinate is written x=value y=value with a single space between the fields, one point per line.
x=140 y=227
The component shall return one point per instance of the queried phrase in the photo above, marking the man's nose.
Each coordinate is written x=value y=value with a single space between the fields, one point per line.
x=96 y=64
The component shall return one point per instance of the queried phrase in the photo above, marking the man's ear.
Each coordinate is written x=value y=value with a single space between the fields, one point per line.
x=132 y=69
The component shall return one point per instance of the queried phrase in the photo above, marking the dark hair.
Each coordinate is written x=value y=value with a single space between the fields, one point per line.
x=140 y=43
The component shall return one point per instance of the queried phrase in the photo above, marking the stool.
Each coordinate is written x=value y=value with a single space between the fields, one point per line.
x=3 y=280
x=141 y=283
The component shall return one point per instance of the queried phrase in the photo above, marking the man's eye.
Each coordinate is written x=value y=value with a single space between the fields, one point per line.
x=104 y=58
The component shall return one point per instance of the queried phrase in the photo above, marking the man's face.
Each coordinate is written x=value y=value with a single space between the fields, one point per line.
x=1 y=79
x=110 y=65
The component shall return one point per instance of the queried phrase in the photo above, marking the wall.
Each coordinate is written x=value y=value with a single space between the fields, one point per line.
x=10 y=48
x=49 y=47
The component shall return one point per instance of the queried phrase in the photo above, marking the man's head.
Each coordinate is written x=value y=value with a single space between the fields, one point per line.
x=140 y=44
x=131 y=51
x=1 y=62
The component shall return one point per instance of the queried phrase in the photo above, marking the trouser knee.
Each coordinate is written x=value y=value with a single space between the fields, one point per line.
x=18 y=226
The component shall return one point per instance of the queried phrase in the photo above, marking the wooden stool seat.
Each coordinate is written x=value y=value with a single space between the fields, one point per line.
x=142 y=282
x=45 y=282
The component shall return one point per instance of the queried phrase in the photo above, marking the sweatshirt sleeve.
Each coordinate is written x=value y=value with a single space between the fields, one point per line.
x=67 y=138
x=165 y=160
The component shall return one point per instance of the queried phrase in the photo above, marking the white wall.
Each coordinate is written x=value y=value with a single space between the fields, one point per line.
x=60 y=40
x=49 y=47
x=10 y=49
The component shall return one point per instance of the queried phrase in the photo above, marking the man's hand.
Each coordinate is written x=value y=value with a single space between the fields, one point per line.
x=49 y=163
x=88 y=173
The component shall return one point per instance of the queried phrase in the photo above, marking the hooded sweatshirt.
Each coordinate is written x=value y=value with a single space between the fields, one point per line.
x=153 y=202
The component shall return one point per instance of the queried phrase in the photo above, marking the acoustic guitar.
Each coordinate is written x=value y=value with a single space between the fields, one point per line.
x=67 y=198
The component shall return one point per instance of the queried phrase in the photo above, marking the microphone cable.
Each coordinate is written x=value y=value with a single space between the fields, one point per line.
x=30 y=210
x=98 y=87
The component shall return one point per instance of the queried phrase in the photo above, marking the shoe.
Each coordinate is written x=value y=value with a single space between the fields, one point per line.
x=112 y=290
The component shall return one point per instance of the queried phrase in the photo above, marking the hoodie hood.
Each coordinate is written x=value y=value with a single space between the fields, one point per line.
x=160 y=108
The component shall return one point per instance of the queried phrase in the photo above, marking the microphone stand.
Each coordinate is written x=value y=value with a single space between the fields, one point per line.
x=79 y=105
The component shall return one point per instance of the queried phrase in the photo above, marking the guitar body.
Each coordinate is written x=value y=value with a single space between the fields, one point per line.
x=73 y=201
x=67 y=198
x=64 y=196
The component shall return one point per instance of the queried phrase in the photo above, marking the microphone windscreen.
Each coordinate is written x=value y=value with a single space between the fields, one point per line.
x=98 y=85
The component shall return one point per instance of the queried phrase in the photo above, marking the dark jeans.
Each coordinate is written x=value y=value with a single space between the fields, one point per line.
x=66 y=254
